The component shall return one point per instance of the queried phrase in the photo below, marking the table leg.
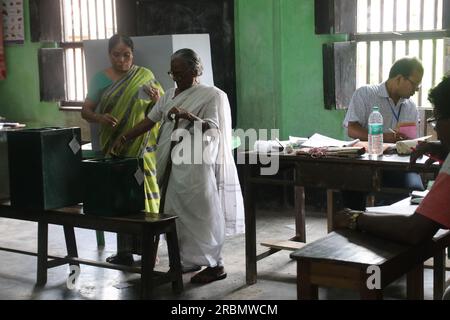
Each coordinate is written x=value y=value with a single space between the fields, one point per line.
x=71 y=242
x=300 y=225
x=250 y=228
x=42 y=258
x=332 y=207
x=414 y=283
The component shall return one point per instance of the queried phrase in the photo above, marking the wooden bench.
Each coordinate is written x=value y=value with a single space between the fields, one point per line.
x=341 y=259
x=147 y=228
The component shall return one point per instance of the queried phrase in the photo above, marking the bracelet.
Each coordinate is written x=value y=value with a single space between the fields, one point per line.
x=124 y=139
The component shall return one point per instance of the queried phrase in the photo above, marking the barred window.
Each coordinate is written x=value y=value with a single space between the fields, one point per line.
x=390 y=29
x=82 y=20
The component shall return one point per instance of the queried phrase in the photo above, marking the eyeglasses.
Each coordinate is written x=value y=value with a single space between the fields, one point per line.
x=177 y=75
x=416 y=85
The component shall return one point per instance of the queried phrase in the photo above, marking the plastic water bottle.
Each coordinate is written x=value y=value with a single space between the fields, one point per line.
x=375 y=137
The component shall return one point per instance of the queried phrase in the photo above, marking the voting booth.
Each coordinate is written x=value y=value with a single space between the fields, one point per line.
x=152 y=52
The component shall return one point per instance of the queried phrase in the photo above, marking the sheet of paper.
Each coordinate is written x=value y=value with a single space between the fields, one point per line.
x=142 y=94
x=419 y=194
x=403 y=208
x=317 y=141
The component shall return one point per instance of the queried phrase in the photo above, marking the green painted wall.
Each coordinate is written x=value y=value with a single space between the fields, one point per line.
x=19 y=93
x=279 y=69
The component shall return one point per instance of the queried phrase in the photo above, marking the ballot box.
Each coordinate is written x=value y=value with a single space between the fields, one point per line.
x=44 y=167
x=113 y=186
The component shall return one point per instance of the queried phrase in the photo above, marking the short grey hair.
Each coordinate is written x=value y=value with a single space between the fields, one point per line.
x=191 y=58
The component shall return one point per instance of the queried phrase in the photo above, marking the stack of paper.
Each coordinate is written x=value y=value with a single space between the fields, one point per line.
x=418 y=196
x=318 y=141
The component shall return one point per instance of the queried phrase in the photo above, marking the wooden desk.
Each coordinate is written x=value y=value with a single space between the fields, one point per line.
x=361 y=174
x=140 y=224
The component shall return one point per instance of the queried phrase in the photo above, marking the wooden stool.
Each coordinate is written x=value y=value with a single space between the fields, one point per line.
x=342 y=258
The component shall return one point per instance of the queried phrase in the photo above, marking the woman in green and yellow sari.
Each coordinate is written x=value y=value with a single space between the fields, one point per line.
x=114 y=102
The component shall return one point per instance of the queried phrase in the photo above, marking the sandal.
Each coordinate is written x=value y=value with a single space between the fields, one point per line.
x=122 y=258
x=209 y=274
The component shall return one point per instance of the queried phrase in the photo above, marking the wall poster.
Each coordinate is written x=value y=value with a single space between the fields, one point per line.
x=13 y=25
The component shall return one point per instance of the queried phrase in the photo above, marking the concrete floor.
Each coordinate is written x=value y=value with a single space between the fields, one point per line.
x=276 y=274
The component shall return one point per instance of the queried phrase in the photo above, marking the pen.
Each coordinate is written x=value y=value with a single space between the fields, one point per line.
x=281 y=146
x=393 y=131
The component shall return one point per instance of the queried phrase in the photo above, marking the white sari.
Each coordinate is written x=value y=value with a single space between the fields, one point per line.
x=205 y=194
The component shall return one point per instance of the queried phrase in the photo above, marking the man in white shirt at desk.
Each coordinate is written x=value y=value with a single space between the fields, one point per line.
x=393 y=99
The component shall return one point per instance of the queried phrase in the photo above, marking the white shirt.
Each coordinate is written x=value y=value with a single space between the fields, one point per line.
x=369 y=96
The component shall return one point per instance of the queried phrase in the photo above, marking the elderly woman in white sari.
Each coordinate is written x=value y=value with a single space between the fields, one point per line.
x=195 y=167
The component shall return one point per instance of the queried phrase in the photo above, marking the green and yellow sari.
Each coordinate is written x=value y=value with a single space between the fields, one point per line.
x=122 y=101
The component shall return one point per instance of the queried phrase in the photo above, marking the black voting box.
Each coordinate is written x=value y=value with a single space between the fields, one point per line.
x=110 y=187
x=44 y=167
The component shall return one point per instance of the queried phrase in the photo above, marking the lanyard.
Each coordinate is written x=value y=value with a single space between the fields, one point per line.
x=396 y=115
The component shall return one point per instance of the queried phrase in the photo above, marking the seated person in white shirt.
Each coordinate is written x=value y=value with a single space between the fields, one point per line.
x=393 y=99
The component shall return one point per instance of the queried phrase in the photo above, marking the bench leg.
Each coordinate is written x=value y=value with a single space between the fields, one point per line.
x=414 y=283
x=71 y=242
x=174 y=259
x=305 y=289
x=439 y=275
x=149 y=250
x=370 y=294
x=366 y=293
x=42 y=254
